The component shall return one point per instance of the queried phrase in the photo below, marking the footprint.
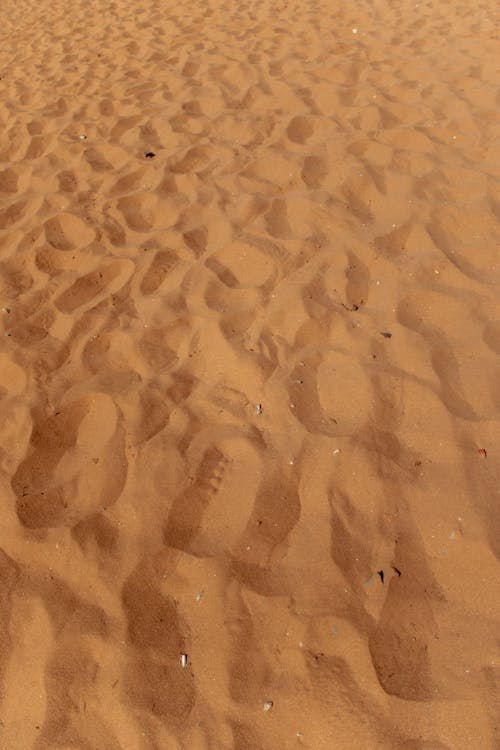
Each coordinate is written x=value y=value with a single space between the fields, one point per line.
x=155 y=681
x=300 y=129
x=195 y=160
x=330 y=395
x=424 y=745
x=140 y=211
x=67 y=232
x=348 y=530
x=13 y=378
x=157 y=350
x=79 y=633
x=115 y=231
x=106 y=158
x=196 y=239
x=358 y=281
x=277 y=219
x=15 y=179
x=9 y=576
x=412 y=313
x=97 y=533
x=162 y=265
x=248 y=669
x=359 y=206
x=314 y=171
x=399 y=645
x=212 y=512
x=68 y=181
x=39 y=146
x=469 y=239
x=132 y=181
x=243 y=265
x=13 y=214
x=246 y=737
x=91 y=289
x=276 y=512
x=75 y=466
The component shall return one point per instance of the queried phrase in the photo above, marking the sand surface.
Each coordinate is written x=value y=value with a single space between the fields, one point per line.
x=249 y=375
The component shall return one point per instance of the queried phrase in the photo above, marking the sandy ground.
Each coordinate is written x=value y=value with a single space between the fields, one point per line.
x=250 y=375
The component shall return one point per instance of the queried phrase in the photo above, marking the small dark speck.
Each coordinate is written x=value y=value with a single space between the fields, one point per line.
x=381 y=574
x=149 y=154
x=397 y=571
x=386 y=334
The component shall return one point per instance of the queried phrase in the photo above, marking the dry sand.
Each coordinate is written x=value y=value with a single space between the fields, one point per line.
x=207 y=445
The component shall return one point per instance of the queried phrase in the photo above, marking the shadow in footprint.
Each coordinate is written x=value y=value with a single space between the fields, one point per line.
x=156 y=681
x=75 y=467
x=399 y=644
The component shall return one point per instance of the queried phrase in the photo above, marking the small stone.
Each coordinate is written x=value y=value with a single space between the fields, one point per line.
x=149 y=154
x=184 y=660
x=82 y=137
x=268 y=705
x=258 y=409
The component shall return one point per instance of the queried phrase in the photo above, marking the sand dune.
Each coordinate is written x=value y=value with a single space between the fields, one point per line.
x=249 y=371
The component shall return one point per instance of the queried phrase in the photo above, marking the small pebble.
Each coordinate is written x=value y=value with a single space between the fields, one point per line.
x=149 y=154
x=268 y=705
x=82 y=137
x=386 y=334
x=184 y=660
x=258 y=409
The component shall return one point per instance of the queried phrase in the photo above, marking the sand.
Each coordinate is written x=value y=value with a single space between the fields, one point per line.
x=249 y=372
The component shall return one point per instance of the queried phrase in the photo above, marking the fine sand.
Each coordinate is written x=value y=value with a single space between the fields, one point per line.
x=249 y=375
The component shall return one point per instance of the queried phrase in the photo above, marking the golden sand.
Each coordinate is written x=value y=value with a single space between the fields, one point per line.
x=250 y=375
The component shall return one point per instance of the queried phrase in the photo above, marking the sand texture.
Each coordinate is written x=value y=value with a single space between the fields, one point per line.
x=249 y=375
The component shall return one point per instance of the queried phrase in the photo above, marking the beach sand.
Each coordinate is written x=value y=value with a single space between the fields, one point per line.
x=249 y=375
